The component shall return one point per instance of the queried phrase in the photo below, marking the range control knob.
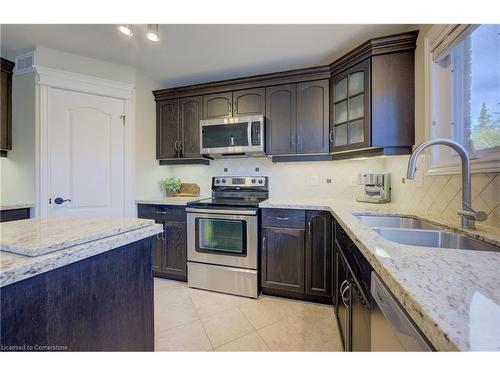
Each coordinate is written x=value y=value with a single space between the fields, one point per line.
x=260 y=181
x=253 y=180
x=223 y=180
x=217 y=181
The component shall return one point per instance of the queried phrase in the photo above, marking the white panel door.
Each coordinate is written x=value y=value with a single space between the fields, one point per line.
x=86 y=154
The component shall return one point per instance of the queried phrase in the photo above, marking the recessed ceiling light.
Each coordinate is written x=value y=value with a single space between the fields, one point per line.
x=152 y=33
x=126 y=29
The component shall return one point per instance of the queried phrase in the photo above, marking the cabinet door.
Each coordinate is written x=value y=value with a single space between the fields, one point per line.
x=283 y=258
x=158 y=245
x=167 y=128
x=318 y=254
x=217 y=105
x=175 y=250
x=5 y=111
x=312 y=117
x=343 y=296
x=249 y=102
x=281 y=120
x=360 y=320
x=351 y=108
x=190 y=112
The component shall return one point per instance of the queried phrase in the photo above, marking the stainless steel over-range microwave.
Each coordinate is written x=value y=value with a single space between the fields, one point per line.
x=232 y=137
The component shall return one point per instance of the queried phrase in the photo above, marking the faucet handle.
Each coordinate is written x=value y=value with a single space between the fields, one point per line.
x=473 y=214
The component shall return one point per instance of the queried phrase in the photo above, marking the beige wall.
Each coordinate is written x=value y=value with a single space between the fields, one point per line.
x=17 y=175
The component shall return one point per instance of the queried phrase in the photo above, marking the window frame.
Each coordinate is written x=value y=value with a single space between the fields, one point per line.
x=482 y=161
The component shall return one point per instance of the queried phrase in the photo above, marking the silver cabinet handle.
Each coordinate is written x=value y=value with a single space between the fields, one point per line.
x=230 y=105
x=235 y=107
x=181 y=145
x=161 y=236
x=309 y=228
x=263 y=242
x=175 y=146
x=161 y=212
x=331 y=136
x=292 y=140
x=282 y=218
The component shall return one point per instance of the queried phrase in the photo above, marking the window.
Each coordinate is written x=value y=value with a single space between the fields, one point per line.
x=465 y=96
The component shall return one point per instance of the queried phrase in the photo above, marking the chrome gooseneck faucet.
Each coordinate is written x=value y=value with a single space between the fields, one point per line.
x=467 y=213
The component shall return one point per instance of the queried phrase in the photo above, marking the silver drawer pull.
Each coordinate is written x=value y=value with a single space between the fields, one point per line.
x=161 y=212
x=282 y=218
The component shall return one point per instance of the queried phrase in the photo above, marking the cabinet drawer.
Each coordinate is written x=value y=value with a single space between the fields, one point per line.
x=161 y=212
x=285 y=218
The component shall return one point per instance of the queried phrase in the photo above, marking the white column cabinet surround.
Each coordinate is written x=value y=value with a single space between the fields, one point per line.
x=47 y=79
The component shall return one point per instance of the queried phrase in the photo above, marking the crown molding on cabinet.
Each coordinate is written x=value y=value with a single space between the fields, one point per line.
x=373 y=47
x=262 y=80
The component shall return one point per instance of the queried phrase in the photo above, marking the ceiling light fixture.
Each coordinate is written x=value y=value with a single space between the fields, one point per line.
x=126 y=29
x=152 y=33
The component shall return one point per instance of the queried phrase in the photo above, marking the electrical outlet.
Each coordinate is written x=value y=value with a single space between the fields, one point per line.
x=314 y=180
x=328 y=180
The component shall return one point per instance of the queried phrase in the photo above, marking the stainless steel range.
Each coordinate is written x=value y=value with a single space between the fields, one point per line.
x=223 y=236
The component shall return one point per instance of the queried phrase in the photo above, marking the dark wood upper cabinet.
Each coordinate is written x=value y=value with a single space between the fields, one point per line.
x=217 y=105
x=167 y=128
x=362 y=104
x=319 y=253
x=190 y=113
x=351 y=108
x=237 y=103
x=283 y=259
x=6 y=69
x=312 y=117
x=249 y=102
x=373 y=105
x=281 y=119
x=297 y=118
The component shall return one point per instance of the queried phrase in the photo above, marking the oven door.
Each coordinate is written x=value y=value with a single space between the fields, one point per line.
x=222 y=237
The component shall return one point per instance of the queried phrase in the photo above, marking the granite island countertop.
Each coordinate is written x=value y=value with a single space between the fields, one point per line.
x=44 y=244
x=452 y=295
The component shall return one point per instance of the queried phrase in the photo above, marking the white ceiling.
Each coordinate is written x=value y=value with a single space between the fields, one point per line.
x=189 y=54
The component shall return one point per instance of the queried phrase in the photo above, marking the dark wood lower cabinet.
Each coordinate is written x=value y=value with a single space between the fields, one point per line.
x=174 y=250
x=296 y=254
x=15 y=214
x=319 y=254
x=170 y=247
x=352 y=293
x=283 y=259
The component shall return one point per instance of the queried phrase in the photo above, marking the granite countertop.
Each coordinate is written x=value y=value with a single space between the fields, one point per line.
x=15 y=206
x=39 y=236
x=452 y=295
x=172 y=201
x=59 y=241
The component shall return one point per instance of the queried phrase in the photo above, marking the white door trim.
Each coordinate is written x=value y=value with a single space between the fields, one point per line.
x=47 y=79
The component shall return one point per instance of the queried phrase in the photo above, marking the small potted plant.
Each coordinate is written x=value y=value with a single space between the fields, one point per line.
x=170 y=186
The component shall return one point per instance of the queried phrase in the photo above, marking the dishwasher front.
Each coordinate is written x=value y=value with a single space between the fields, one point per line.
x=392 y=330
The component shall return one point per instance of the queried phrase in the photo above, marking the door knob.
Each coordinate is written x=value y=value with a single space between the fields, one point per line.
x=60 y=200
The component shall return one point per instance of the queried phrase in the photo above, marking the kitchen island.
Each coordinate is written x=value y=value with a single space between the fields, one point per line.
x=77 y=284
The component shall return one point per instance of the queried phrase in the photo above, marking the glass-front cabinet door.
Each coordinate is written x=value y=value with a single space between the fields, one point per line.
x=350 y=123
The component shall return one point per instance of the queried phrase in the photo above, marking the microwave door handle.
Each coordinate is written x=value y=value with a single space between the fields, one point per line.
x=249 y=133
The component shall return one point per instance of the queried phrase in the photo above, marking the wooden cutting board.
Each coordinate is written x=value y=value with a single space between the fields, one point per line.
x=189 y=190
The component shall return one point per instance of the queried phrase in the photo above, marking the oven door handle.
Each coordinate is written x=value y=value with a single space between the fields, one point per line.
x=224 y=212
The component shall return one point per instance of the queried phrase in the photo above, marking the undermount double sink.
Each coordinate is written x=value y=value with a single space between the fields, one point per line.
x=417 y=232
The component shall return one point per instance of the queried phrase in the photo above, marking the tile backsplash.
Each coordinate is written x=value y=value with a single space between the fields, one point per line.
x=437 y=196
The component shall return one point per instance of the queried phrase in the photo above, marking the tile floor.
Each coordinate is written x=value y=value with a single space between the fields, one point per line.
x=195 y=320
